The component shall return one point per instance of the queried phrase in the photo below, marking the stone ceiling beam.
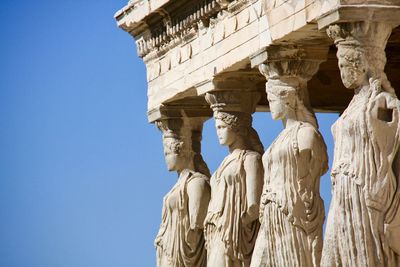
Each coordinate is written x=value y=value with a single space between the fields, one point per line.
x=186 y=44
x=340 y=11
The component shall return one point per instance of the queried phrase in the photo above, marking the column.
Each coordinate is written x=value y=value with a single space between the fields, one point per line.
x=231 y=225
x=180 y=241
x=363 y=227
x=292 y=211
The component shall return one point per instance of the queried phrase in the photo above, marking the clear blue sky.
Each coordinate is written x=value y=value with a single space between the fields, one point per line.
x=82 y=174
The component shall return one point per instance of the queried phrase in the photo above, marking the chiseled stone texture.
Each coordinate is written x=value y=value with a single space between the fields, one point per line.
x=180 y=240
x=363 y=226
x=187 y=43
x=201 y=55
x=231 y=225
x=292 y=211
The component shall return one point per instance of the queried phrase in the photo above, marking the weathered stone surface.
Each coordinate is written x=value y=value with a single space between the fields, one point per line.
x=180 y=240
x=231 y=225
x=184 y=44
x=212 y=48
x=292 y=211
x=364 y=217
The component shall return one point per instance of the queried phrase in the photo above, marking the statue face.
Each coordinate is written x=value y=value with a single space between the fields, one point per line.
x=226 y=135
x=353 y=74
x=175 y=159
x=277 y=107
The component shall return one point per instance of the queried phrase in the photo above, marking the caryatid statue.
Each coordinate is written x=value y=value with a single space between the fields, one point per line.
x=180 y=241
x=363 y=226
x=292 y=211
x=231 y=225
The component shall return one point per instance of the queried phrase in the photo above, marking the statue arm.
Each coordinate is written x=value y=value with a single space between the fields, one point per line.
x=254 y=182
x=198 y=191
x=382 y=119
x=263 y=199
x=199 y=194
x=307 y=172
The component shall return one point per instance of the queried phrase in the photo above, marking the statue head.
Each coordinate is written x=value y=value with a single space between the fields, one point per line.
x=232 y=114
x=235 y=127
x=286 y=99
x=231 y=126
x=361 y=52
x=282 y=99
x=182 y=144
x=353 y=67
x=177 y=157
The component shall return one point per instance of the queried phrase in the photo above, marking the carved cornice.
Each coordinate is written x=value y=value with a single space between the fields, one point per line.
x=361 y=51
x=179 y=127
x=174 y=30
x=195 y=107
x=233 y=101
x=290 y=67
x=347 y=11
x=174 y=23
x=237 y=80
x=169 y=26
x=290 y=61
x=170 y=128
x=182 y=134
x=360 y=34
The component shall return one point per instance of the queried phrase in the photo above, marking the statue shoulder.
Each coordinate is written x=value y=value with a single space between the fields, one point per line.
x=198 y=182
x=308 y=137
x=252 y=155
x=307 y=129
x=252 y=160
x=386 y=100
x=198 y=177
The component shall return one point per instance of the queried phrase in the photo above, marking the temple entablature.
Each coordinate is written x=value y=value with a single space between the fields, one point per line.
x=185 y=44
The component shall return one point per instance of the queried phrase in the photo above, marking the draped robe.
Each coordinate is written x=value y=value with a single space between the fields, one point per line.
x=230 y=242
x=292 y=211
x=174 y=246
x=363 y=226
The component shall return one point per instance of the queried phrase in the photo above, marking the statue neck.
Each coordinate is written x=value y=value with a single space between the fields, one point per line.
x=188 y=166
x=362 y=90
x=237 y=144
x=290 y=119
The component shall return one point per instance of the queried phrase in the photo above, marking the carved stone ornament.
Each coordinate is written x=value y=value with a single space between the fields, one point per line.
x=293 y=67
x=231 y=225
x=291 y=211
x=363 y=226
x=180 y=240
x=174 y=30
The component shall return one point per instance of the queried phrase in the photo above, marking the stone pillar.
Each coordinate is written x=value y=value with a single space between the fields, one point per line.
x=180 y=241
x=363 y=227
x=231 y=225
x=292 y=211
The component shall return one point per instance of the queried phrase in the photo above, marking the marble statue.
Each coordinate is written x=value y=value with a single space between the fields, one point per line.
x=363 y=226
x=292 y=211
x=180 y=241
x=231 y=225
x=211 y=48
